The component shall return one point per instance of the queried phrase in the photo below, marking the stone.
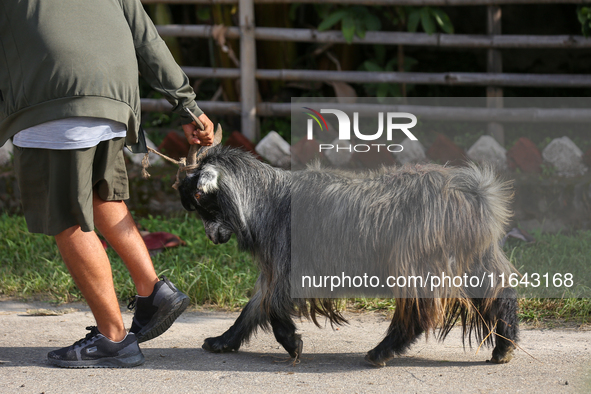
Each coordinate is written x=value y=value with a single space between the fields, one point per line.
x=488 y=150
x=565 y=156
x=341 y=154
x=375 y=158
x=174 y=145
x=412 y=152
x=443 y=151
x=136 y=158
x=275 y=150
x=6 y=153
x=305 y=151
x=526 y=156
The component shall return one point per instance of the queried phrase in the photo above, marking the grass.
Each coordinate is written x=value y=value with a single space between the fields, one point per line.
x=31 y=267
x=221 y=276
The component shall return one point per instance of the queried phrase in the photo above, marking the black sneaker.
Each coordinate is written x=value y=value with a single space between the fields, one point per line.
x=98 y=351
x=156 y=313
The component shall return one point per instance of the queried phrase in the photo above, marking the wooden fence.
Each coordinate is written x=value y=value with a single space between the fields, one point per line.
x=493 y=79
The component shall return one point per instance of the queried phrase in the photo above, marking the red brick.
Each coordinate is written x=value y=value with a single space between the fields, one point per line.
x=443 y=150
x=525 y=155
x=374 y=158
x=587 y=158
x=305 y=150
x=238 y=140
x=174 y=145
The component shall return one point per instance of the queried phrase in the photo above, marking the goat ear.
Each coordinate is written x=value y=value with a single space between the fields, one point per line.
x=208 y=179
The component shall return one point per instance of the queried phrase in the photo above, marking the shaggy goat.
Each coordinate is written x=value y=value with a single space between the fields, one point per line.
x=443 y=219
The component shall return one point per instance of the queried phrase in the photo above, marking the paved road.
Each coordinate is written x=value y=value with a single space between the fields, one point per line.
x=332 y=362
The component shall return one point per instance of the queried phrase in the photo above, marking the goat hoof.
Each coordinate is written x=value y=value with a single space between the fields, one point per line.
x=375 y=361
x=296 y=354
x=217 y=345
x=502 y=358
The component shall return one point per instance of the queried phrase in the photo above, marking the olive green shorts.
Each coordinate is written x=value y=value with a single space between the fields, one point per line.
x=57 y=186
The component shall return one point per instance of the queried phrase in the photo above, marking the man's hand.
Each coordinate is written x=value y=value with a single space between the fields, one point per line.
x=196 y=136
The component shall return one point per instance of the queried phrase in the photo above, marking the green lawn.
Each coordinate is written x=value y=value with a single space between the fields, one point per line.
x=221 y=276
x=31 y=267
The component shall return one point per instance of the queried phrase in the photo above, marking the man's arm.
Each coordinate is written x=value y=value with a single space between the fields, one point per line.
x=158 y=67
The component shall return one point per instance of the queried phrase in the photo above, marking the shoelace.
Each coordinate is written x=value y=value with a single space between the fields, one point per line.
x=131 y=303
x=132 y=300
x=93 y=332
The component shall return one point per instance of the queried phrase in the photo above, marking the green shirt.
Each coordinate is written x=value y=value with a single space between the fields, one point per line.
x=65 y=58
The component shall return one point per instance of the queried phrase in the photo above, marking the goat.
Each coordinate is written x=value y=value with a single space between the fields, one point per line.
x=435 y=216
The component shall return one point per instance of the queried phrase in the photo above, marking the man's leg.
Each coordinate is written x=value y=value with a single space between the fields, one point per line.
x=158 y=303
x=89 y=266
x=113 y=220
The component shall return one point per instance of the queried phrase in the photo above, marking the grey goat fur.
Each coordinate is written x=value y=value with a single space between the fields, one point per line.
x=426 y=215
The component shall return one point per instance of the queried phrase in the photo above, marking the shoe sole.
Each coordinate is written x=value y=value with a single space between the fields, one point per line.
x=106 y=362
x=159 y=324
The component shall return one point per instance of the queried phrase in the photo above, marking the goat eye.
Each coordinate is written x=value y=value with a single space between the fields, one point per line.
x=198 y=195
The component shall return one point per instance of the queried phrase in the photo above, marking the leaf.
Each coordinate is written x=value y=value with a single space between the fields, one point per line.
x=161 y=239
x=332 y=20
x=427 y=20
x=409 y=62
x=359 y=28
x=371 y=66
x=443 y=20
x=372 y=22
x=348 y=28
x=383 y=90
x=293 y=8
x=390 y=65
x=204 y=13
x=380 y=51
x=413 y=20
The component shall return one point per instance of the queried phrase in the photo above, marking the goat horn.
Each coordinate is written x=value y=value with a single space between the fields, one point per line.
x=197 y=152
x=195 y=119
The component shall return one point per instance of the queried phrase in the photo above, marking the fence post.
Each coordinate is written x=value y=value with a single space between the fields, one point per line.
x=494 y=64
x=247 y=69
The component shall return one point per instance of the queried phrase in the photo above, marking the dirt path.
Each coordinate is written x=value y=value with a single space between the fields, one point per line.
x=332 y=361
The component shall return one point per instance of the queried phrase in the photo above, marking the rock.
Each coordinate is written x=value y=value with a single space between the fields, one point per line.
x=6 y=153
x=174 y=145
x=488 y=150
x=525 y=155
x=305 y=151
x=275 y=150
x=342 y=153
x=375 y=158
x=136 y=158
x=443 y=150
x=412 y=152
x=565 y=156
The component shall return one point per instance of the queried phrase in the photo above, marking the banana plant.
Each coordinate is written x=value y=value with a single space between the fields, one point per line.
x=380 y=63
x=355 y=21
x=429 y=18
x=584 y=15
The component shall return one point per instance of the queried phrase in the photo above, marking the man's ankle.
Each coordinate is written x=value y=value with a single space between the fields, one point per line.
x=145 y=289
x=115 y=334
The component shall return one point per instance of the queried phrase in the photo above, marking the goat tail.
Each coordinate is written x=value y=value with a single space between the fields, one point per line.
x=492 y=195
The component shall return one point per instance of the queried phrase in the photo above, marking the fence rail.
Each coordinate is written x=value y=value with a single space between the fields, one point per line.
x=388 y=38
x=375 y=2
x=450 y=78
x=505 y=115
x=494 y=79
